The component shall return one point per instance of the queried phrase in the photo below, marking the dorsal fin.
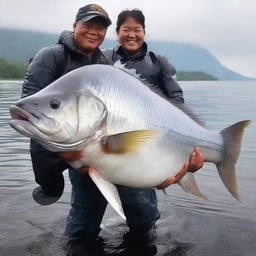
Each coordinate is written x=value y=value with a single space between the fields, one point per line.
x=158 y=91
x=131 y=71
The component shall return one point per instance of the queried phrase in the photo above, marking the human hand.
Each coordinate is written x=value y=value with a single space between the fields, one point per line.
x=195 y=162
x=73 y=156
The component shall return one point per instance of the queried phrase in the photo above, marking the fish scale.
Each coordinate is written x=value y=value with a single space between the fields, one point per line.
x=129 y=134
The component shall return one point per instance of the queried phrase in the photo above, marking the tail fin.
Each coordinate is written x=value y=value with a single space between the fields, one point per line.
x=232 y=144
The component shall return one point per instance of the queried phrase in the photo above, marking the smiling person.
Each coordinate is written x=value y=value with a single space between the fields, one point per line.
x=153 y=68
x=133 y=53
x=157 y=71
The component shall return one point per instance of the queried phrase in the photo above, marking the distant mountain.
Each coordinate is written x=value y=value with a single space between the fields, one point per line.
x=188 y=57
x=20 y=45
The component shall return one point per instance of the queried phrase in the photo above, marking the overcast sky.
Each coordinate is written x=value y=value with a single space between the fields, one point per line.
x=227 y=28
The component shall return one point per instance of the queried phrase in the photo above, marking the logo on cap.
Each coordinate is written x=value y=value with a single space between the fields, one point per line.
x=95 y=7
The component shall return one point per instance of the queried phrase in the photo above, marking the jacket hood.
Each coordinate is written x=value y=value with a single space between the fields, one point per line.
x=67 y=38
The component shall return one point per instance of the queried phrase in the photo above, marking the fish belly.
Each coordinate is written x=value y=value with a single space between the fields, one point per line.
x=148 y=166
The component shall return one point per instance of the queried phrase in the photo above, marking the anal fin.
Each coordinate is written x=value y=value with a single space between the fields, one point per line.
x=188 y=183
x=108 y=190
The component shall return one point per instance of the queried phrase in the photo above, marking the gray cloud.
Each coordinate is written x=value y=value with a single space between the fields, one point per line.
x=225 y=27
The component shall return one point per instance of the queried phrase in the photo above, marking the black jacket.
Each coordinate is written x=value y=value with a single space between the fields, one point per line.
x=150 y=66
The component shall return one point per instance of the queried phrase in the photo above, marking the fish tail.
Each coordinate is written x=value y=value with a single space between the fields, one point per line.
x=232 y=136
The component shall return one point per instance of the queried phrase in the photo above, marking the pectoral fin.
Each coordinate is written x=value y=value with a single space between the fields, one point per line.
x=108 y=190
x=188 y=183
x=126 y=142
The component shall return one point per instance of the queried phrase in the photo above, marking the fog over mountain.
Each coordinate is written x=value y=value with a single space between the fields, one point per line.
x=20 y=45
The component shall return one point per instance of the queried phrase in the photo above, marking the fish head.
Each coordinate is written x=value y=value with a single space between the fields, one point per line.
x=58 y=119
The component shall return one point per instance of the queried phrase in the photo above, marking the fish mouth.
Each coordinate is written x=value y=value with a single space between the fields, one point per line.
x=22 y=115
x=25 y=122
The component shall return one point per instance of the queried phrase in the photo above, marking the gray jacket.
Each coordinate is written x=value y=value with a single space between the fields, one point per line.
x=52 y=62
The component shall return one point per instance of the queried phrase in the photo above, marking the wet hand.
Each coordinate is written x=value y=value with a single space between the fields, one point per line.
x=195 y=162
x=176 y=178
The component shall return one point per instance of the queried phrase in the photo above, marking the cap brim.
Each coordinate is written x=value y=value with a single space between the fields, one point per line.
x=89 y=17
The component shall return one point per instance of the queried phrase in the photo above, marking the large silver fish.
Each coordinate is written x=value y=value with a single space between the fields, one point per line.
x=129 y=134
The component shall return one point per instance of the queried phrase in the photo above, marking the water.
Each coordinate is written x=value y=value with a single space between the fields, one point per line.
x=188 y=226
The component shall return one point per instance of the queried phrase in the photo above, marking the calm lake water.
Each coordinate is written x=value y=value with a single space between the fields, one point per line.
x=188 y=226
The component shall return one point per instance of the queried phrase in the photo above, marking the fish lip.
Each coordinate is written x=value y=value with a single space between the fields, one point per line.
x=26 y=118
x=25 y=121
x=18 y=113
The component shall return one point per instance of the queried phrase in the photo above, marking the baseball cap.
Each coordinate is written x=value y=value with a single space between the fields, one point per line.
x=90 y=11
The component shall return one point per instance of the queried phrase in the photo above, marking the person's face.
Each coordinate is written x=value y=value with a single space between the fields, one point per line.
x=131 y=36
x=89 y=35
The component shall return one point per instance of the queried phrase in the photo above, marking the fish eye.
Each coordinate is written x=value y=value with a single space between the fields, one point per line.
x=55 y=104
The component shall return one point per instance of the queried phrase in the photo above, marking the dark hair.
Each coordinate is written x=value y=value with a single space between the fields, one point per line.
x=135 y=14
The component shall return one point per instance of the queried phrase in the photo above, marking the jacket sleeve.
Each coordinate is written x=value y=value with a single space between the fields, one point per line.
x=42 y=70
x=169 y=83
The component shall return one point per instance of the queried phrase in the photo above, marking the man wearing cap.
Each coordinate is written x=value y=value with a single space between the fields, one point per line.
x=73 y=50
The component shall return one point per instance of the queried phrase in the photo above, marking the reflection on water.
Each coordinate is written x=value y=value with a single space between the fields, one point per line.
x=221 y=104
x=188 y=226
x=14 y=156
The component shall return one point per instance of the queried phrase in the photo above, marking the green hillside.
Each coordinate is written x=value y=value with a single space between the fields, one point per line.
x=194 y=76
x=16 y=70
x=20 y=45
x=12 y=70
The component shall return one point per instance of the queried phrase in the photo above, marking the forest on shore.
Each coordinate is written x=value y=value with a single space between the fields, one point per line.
x=16 y=70
x=12 y=70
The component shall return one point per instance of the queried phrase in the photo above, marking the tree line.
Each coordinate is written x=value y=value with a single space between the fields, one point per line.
x=16 y=70
x=12 y=70
x=194 y=76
